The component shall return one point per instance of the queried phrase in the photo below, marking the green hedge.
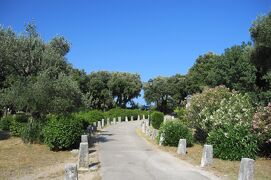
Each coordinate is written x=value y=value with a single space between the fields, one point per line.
x=88 y=117
x=157 y=119
x=62 y=132
x=5 y=122
x=233 y=143
x=174 y=131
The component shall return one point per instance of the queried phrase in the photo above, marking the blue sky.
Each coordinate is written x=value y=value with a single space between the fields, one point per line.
x=149 y=37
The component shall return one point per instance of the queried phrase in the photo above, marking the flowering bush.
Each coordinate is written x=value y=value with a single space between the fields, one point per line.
x=262 y=127
x=203 y=105
x=235 y=111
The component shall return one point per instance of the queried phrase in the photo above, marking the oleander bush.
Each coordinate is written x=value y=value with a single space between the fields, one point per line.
x=173 y=131
x=233 y=142
x=62 y=132
x=157 y=119
x=262 y=128
x=203 y=105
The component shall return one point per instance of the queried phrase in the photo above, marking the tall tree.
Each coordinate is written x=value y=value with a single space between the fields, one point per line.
x=125 y=87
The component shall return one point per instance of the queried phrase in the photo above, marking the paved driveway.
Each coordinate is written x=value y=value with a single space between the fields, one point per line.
x=126 y=156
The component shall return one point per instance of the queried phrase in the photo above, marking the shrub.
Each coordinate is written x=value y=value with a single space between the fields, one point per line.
x=62 y=132
x=156 y=119
x=262 y=128
x=32 y=132
x=88 y=117
x=205 y=104
x=235 y=111
x=174 y=131
x=181 y=114
x=17 y=124
x=5 y=122
x=233 y=142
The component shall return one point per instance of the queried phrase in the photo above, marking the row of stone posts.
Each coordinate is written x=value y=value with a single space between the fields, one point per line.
x=246 y=171
x=71 y=170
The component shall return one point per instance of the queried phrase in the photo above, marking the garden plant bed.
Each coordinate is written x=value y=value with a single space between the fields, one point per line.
x=224 y=169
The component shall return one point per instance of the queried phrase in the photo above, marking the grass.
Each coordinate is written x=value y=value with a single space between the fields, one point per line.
x=224 y=169
x=35 y=161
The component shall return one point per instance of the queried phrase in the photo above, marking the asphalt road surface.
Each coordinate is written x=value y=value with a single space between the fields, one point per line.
x=126 y=156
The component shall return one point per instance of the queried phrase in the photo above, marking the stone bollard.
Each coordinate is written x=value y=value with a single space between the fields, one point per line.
x=99 y=125
x=138 y=117
x=143 y=116
x=246 y=171
x=143 y=127
x=161 y=140
x=126 y=119
x=119 y=119
x=114 y=120
x=83 y=156
x=132 y=118
x=148 y=117
x=182 y=147
x=102 y=123
x=84 y=138
x=71 y=172
x=207 y=155
x=154 y=134
x=107 y=121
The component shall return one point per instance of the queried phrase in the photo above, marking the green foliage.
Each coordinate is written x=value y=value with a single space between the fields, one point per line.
x=62 y=132
x=32 y=132
x=233 y=142
x=5 y=122
x=202 y=106
x=181 y=114
x=235 y=111
x=158 y=91
x=99 y=96
x=262 y=128
x=173 y=131
x=16 y=127
x=157 y=119
x=88 y=117
x=124 y=87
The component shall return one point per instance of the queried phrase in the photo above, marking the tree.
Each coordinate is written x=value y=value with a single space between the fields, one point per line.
x=261 y=56
x=157 y=91
x=124 y=87
x=98 y=95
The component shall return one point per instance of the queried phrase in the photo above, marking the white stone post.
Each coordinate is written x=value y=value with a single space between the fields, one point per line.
x=132 y=118
x=114 y=121
x=246 y=171
x=138 y=117
x=143 y=116
x=182 y=147
x=162 y=138
x=71 y=172
x=99 y=125
x=83 y=156
x=84 y=138
x=126 y=119
x=119 y=119
x=102 y=123
x=207 y=155
x=143 y=127
x=107 y=121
